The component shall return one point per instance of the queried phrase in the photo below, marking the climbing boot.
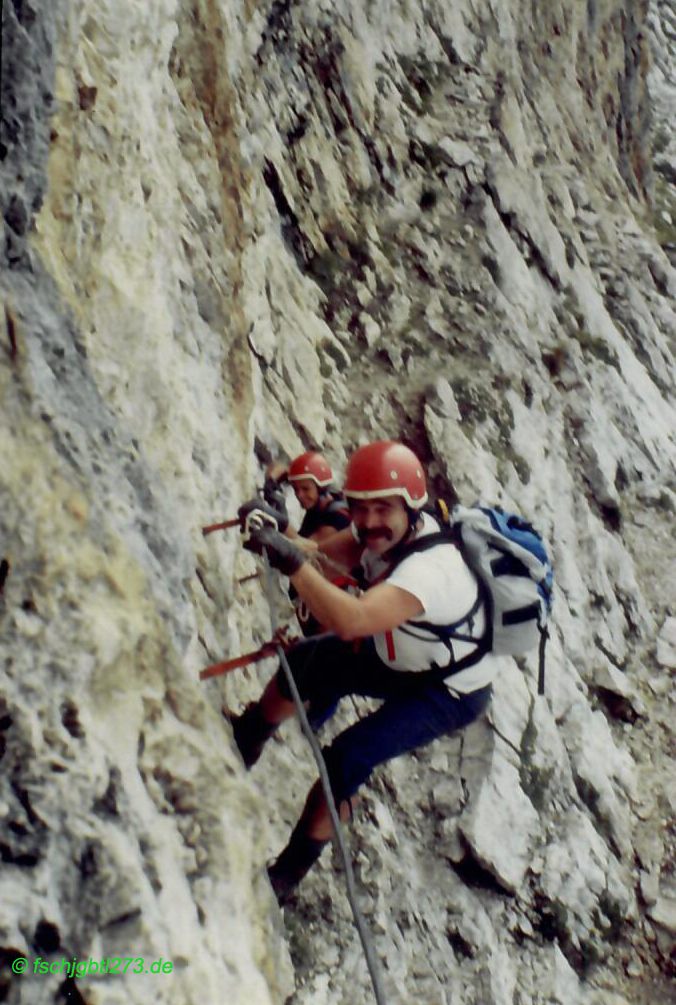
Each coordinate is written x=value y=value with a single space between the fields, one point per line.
x=251 y=731
x=293 y=863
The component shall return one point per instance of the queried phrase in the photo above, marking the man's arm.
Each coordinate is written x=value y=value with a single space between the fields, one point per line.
x=348 y=555
x=380 y=609
x=342 y=548
x=323 y=533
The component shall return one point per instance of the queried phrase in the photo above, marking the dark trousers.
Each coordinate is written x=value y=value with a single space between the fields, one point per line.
x=415 y=710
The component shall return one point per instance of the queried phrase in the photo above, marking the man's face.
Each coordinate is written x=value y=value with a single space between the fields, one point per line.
x=381 y=523
x=307 y=492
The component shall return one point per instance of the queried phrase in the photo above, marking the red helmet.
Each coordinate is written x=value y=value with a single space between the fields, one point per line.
x=385 y=468
x=311 y=465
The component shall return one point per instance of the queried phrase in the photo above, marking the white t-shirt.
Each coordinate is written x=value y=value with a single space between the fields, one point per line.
x=447 y=590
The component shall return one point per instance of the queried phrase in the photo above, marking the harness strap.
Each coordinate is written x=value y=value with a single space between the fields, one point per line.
x=544 y=635
x=441 y=631
x=454 y=667
x=337 y=506
x=447 y=633
x=483 y=645
x=521 y=614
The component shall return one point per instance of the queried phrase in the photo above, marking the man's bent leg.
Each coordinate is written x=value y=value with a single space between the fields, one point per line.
x=251 y=731
x=400 y=724
x=309 y=838
x=274 y=706
x=259 y=721
x=316 y=818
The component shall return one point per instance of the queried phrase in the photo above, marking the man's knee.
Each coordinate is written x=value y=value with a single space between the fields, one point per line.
x=297 y=658
x=305 y=659
x=346 y=771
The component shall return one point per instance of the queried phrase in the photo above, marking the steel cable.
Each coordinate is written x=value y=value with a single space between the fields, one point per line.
x=339 y=838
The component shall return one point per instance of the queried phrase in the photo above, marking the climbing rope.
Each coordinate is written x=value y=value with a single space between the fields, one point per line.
x=339 y=837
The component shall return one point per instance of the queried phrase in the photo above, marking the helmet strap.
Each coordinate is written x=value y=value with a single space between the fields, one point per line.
x=413 y=517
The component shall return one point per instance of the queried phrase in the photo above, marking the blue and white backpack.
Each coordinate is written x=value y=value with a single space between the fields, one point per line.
x=515 y=575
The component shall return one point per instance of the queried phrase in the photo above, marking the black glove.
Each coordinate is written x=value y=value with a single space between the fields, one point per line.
x=281 y=517
x=282 y=553
x=273 y=493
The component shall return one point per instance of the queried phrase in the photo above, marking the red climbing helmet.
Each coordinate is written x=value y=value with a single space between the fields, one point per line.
x=312 y=465
x=386 y=468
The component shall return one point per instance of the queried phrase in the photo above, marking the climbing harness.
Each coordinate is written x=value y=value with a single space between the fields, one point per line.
x=339 y=838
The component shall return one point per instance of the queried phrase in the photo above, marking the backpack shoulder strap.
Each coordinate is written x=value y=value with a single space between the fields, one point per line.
x=445 y=535
x=338 y=505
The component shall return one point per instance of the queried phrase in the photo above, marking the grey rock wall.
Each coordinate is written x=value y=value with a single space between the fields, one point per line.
x=232 y=232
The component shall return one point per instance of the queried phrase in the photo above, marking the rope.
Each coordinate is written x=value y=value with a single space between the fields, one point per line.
x=504 y=739
x=339 y=838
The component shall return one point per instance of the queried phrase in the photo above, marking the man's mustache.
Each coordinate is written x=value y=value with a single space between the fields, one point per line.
x=373 y=533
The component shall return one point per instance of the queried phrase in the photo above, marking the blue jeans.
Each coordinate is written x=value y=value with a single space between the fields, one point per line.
x=415 y=709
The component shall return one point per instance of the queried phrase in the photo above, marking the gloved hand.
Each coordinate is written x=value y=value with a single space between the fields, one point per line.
x=282 y=553
x=273 y=493
x=281 y=517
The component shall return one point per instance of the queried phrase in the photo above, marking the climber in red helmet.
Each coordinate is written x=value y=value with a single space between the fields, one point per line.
x=311 y=479
x=396 y=657
x=326 y=512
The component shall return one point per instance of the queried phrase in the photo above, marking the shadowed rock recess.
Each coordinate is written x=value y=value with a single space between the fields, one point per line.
x=233 y=231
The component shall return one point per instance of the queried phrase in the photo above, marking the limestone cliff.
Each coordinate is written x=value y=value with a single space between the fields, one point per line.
x=233 y=231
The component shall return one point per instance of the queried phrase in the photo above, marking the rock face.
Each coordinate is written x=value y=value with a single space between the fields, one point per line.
x=234 y=231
